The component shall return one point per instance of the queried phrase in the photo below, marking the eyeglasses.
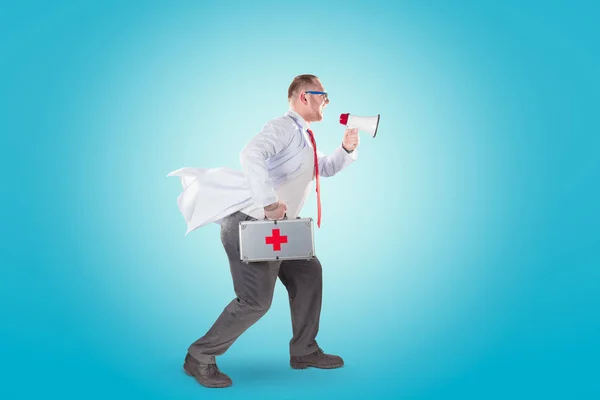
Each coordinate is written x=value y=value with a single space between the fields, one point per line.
x=323 y=94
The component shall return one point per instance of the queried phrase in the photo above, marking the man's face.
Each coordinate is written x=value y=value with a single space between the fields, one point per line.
x=316 y=102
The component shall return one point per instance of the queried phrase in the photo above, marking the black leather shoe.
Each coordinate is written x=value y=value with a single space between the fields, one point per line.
x=207 y=374
x=318 y=359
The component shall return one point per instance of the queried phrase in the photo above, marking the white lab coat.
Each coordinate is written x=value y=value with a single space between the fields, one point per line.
x=271 y=158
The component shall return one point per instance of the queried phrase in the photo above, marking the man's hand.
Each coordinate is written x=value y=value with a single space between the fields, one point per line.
x=351 y=139
x=275 y=210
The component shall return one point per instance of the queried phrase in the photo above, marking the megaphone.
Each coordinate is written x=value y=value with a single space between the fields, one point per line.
x=365 y=124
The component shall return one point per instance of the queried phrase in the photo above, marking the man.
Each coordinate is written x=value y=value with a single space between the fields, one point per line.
x=278 y=169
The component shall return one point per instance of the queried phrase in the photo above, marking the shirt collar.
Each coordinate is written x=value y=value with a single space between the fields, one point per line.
x=298 y=119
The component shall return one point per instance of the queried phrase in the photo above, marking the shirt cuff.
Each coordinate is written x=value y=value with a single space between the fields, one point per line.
x=350 y=154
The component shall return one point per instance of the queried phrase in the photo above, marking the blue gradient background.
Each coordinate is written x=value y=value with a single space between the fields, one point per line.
x=473 y=274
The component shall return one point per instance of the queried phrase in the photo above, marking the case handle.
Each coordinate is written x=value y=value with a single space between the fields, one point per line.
x=284 y=217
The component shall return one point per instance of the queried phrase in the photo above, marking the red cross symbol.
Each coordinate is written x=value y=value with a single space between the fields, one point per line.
x=276 y=240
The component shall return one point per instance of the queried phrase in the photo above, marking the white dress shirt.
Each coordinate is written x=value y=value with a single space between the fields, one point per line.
x=277 y=164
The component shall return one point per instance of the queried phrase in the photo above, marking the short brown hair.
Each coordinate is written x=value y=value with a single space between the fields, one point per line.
x=299 y=82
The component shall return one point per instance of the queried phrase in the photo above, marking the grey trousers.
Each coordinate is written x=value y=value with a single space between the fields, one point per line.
x=254 y=284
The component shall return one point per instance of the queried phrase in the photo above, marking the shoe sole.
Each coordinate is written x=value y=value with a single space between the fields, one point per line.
x=304 y=365
x=203 y=382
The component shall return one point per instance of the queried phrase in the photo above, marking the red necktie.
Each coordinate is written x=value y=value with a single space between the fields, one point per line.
x=314 y=144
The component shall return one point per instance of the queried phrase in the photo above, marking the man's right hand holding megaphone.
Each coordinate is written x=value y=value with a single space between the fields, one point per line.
x=351 y=140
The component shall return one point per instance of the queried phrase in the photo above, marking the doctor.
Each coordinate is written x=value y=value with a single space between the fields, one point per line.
x=278 y=167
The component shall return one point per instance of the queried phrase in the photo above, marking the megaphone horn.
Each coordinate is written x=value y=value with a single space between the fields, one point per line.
x=365 y=124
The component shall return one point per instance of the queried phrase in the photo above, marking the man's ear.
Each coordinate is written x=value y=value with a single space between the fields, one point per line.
x=303 y=98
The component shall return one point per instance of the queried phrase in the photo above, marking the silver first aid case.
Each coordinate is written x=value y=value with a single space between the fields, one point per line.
x=285 y=239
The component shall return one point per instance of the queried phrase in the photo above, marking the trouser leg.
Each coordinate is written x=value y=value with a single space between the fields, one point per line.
x=253 y=283
x=304 y=283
